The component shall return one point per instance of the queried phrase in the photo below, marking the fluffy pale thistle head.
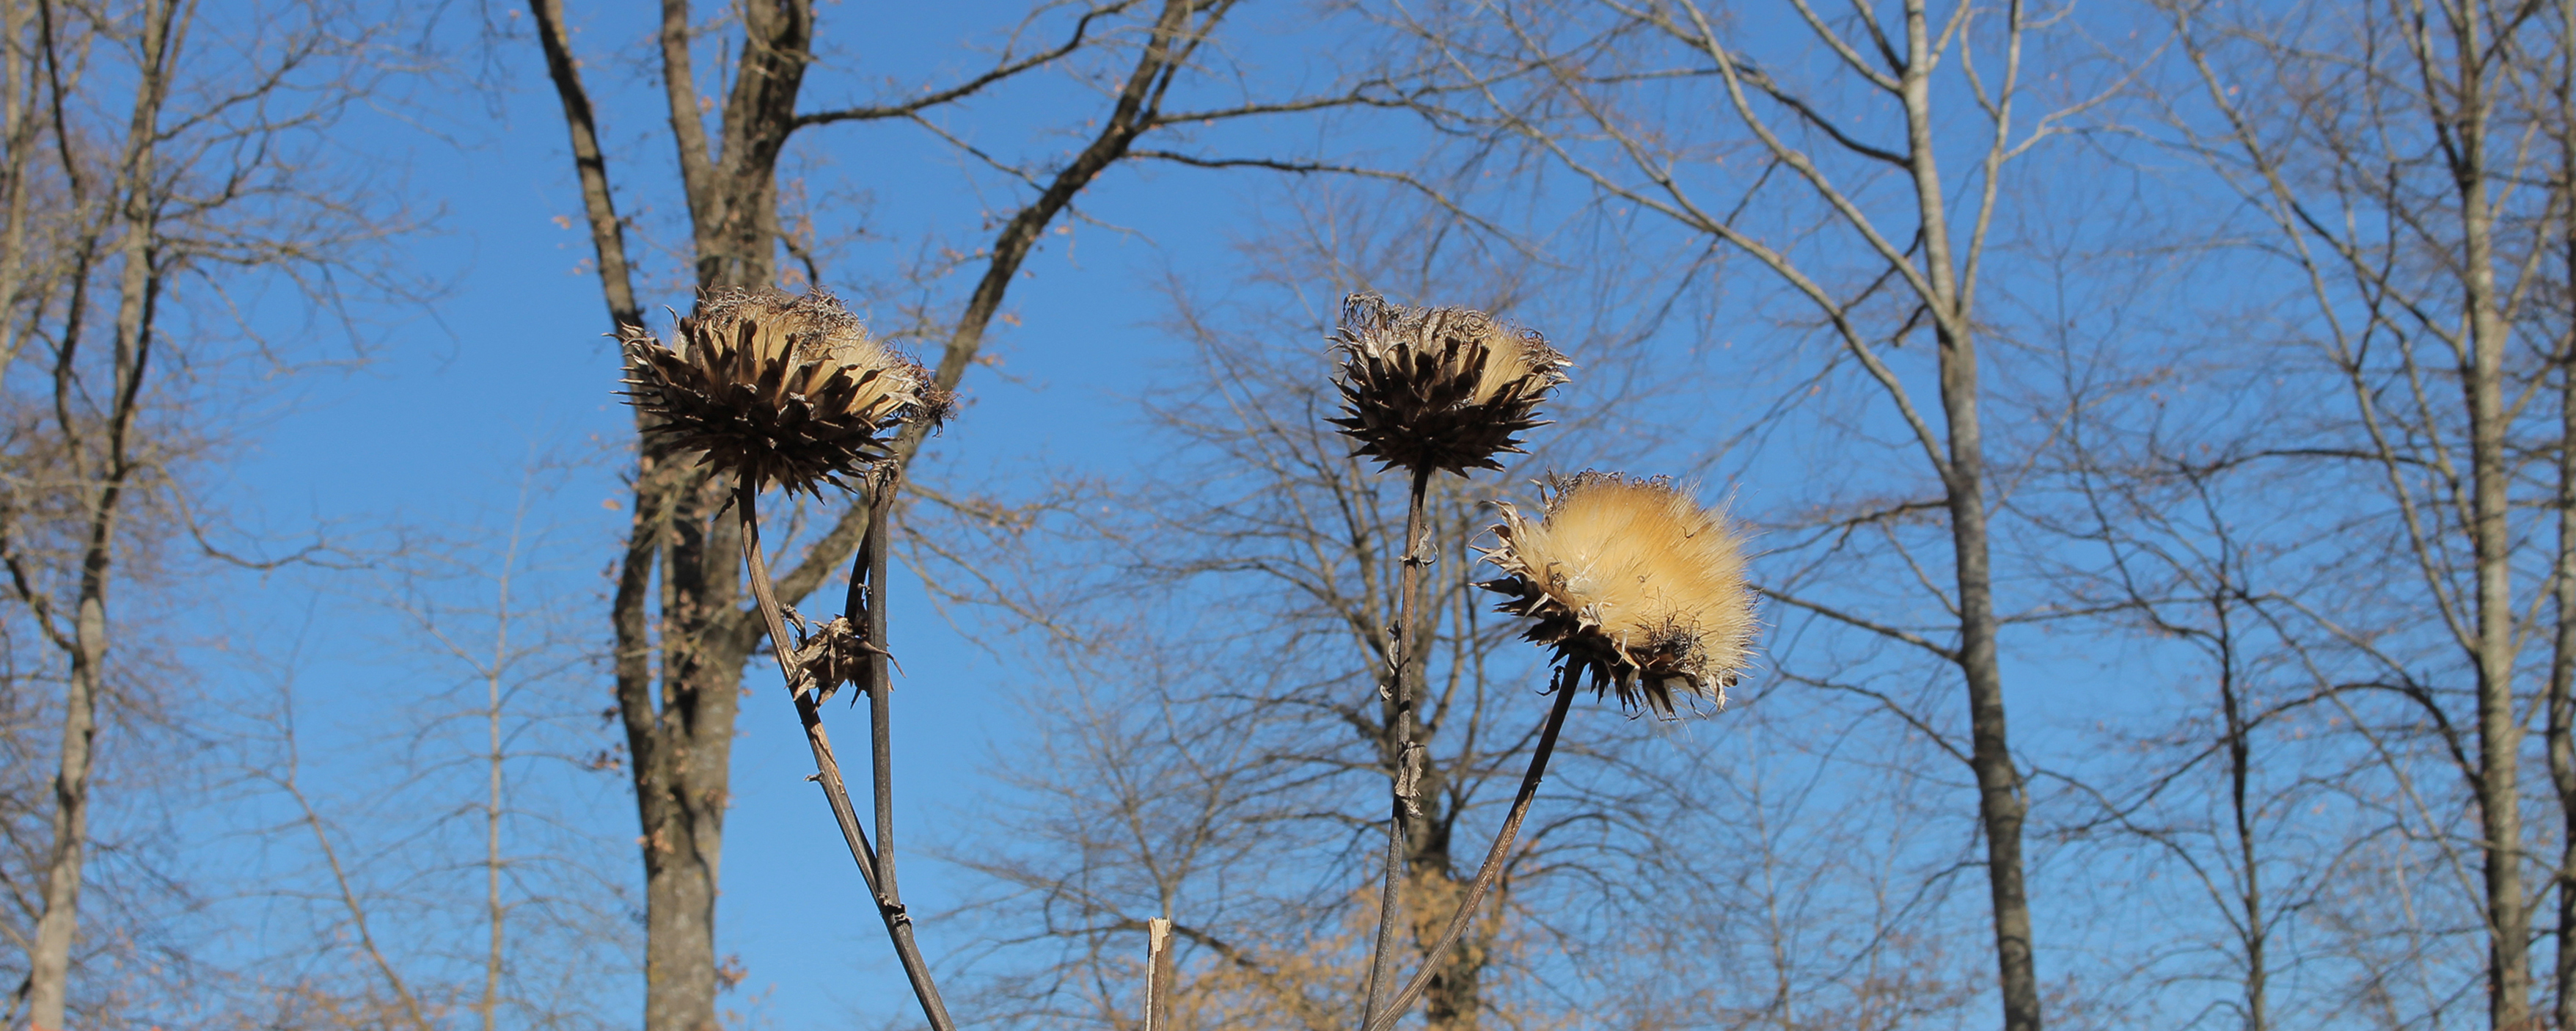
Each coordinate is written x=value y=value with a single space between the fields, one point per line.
x=782 y=389
x=1630 y=579
x=1438 y=388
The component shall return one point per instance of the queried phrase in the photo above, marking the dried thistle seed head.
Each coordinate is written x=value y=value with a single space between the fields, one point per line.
x=829 y=655
x=1438 y=388
x=1633 y=580
x=782 y=389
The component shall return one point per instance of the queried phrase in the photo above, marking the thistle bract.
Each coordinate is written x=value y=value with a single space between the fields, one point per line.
x=1633 y=580
x=1438 y=388
x=781 y=389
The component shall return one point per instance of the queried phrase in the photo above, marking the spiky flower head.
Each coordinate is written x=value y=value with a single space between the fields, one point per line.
x=782 y=389
x=1438 y=388
x=1630 y=579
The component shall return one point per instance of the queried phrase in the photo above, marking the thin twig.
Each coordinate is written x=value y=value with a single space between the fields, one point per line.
x=349 y=895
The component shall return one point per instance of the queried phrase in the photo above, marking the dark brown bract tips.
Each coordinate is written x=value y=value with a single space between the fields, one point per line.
x=779 y=388
x=1438 y=388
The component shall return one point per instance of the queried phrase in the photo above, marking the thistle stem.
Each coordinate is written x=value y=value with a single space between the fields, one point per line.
x=880 y=705
x=1493 y=869
x=1400 y=649
x=827 y=768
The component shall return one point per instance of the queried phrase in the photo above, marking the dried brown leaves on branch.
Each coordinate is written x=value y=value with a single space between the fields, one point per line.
x=783 y=389
x=1439 y=388
x=1632 y=579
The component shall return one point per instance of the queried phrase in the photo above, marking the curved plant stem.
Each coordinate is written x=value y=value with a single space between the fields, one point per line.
x=1417 y=553
x=1493 y=869
x=827 y=768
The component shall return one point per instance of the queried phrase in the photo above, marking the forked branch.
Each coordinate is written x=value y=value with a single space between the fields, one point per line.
x=827 y=769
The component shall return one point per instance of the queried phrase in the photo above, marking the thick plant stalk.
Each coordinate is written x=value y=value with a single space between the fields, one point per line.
x=1493 y=869
x=827 y=768
x=1400 y=792
x=873 y=551
x=880 y=706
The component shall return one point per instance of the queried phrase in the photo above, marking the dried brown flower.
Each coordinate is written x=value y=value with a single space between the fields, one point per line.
x=1633 y=580
x=1438 y=388
x=827 y=655
x=782 y=389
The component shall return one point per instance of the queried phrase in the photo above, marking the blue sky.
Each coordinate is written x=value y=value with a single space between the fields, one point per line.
x=435 y=429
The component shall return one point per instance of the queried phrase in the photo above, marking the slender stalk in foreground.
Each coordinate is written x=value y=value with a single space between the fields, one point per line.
x=878 y=874
x=880 y=706
x=1417 y=541
x=1493 y=869
x=873 y=551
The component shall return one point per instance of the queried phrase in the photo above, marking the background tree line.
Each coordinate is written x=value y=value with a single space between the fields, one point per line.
x=2155 y=416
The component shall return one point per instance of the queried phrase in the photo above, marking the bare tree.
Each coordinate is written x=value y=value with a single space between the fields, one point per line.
x=1218 y=771
x=400 y=1001
x=166 y=166
x=2217 y=794
x=445 y=856
x=679 y=713
x=2559 y=732
x=1857 y=227
x=499 y=759
x=2383 y=148
x=104 y=461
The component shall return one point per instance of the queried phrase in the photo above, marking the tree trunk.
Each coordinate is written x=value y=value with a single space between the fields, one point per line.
x=101 y=476
x=2560 y=735
x=18 y=127
x=49 y=966
x=2482 y=374
x=2254 y=929
x=681 y=718
x=1453 y=1000
x=2001 y=804
x=680 y=725
x=682 y=740
x=2561 y=732
x=682 y=746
